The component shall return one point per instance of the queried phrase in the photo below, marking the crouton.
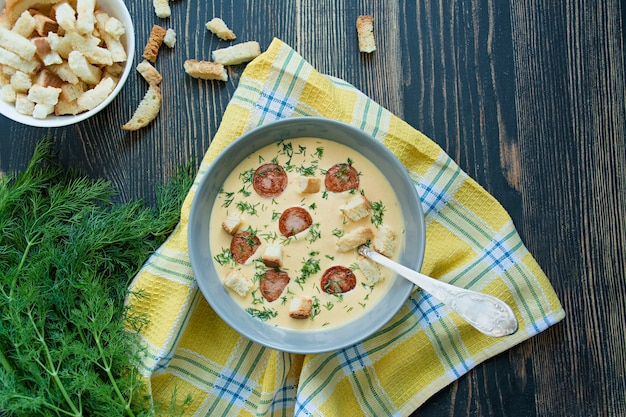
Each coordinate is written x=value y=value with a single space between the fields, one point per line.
x=83 y=69
x=370 y=270
x=17 y=44
x=300 y=307
x=64 y=107
x=147 y=110
x=88 y=46
x=219 y=28
x=44 y=95
x=273 y=256
x=85 y=20
x=90 y=99
x=23 y=105
x=42 y=110
x=111 y=37
x=62 y=45
x=14 y=61
x=309 y=185
x=21 y=81
x=49 y=79
x=45 y=25
x=170 y=38
x=114 y=27
x=232 y=223
x=385 y=241
x=8 y=94
x=153 y=45
x=45 y=52
x=205 y=70
x=25 y=25
x=162 y=8
x=114 y=71
x=70 y=92
x=65 y=16
x=149 y=73
x=64 y=72
x=365 y=33
x=237 y=54
x=355 y=238
x=357 y=208
x=237 y=281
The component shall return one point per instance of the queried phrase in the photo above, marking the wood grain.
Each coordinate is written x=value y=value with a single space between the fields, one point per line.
x=526 y=96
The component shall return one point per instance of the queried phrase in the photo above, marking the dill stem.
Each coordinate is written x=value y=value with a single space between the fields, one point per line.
x=51 y=370
x=107 y=368
x=45 y=404
x=5 y=362
x=29 y=244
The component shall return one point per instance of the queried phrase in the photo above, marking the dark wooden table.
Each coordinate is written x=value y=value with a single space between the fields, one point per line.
x=527 y=96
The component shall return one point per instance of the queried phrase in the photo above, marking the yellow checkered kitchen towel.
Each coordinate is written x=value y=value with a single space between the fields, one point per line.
x=470 y=242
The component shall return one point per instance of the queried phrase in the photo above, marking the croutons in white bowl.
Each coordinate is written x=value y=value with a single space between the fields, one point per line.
x=274 y=227
x=62 y=61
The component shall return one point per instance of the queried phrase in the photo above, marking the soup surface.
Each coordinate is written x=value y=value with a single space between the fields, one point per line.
x=286 y=224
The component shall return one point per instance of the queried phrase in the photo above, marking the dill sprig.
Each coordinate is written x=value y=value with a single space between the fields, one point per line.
x=67 y=255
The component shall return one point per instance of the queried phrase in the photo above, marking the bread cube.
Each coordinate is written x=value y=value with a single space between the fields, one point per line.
x=385 y=241
x=370 y=270
x=309 y=185
x=355 y=238
x=237 y=281
x=273 y=256
x=232 y=223
x=356 y=209
x=300 y=307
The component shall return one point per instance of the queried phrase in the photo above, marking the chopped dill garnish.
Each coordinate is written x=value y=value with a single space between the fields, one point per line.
x=245 y=207
x=307 y=171
x=310 y=266
x=314 y=233
x=264 y=315
x=256 y=299
x=315 y=307
x=225 y=257
x=246 y=176
x=378 y=210
x=228 y=197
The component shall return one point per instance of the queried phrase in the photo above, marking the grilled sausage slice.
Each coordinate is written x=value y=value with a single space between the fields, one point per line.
x=341 y=177
x=338 y=279
x=293 y=221
x=243 y=245
x=273 y=283
x=270 y=180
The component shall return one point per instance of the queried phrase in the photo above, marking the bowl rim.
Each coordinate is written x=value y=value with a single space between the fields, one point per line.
x=287 y=340
x=120 y=11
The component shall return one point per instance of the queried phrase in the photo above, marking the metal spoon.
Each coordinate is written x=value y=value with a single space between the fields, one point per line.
x=486 y=313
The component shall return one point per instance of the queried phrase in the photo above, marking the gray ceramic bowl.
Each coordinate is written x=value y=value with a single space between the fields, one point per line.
x=202 y=260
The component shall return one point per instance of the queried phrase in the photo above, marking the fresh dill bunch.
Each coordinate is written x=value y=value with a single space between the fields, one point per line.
x=67 y=255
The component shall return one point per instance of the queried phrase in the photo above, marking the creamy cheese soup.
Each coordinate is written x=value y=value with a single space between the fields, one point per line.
x=280 y=198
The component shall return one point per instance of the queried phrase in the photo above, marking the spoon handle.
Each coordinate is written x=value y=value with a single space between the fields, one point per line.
x=488 y=314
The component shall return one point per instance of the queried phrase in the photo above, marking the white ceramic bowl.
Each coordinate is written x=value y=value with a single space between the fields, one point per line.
x=202 y=260
x=117 y=9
